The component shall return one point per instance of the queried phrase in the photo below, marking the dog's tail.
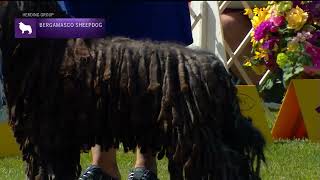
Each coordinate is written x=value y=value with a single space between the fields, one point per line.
x=244 y=139
x=242 y=144
x=214 y=141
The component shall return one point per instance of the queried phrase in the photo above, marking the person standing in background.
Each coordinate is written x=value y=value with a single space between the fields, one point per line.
x=3 y=5
x=235 y=27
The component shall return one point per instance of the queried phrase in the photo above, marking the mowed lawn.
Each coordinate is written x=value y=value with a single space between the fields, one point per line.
x=285 y=160
x=297 y=159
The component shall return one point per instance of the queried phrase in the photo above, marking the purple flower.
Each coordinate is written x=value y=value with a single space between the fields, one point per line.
x=271 y=62
x=296 y=3
x=315 y=39
x=262 y=30
x=313 y=8
x=269 y=44
x=318 y=109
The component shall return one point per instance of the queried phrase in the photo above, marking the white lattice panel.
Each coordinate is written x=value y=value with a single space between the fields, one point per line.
x=206 y=27
x=207 y=33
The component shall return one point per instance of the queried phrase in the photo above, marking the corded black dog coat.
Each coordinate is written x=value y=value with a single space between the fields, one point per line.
x=65 y=96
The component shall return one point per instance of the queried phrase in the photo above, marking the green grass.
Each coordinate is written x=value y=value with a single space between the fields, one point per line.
x=292 y=160
x=298 y=159
x=12 y=168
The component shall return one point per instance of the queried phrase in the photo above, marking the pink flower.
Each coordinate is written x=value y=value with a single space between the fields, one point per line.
x=311 y=71
x=274 y=29
x=314 y=53
x=277 y=20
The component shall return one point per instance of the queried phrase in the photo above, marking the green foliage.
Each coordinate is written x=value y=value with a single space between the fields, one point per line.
x=272 y=80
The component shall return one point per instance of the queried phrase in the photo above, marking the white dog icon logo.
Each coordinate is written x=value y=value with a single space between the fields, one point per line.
x=24 y=28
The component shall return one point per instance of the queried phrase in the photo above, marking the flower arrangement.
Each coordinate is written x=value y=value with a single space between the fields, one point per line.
x=286 y=39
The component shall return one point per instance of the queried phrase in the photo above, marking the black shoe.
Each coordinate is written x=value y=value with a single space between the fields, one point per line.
x=95 y=173
x=142 y=174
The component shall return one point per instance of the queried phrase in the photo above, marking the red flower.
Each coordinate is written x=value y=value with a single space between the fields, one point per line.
x=277 y=20
x=314 y=52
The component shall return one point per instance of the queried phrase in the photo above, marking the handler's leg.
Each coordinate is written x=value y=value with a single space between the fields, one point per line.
x=104 y=165
x=147 y=161
x=235 y=27
x=106 y=160
x=145 y=167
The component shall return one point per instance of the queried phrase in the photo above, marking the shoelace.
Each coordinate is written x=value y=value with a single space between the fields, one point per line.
x=90 y=175
x=131 y=176
x=145 y=176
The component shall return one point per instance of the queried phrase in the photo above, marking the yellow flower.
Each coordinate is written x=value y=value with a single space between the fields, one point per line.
x=292 y=46
x=248 y=12
x=247 y=64
x=253 y=40
x=259 y=16
x=260 y=55
x=256 y=11
x=264 y=13
x=296 y=18
x=255 y=21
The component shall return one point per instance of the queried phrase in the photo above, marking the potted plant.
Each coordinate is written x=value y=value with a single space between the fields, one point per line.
x=285 y=40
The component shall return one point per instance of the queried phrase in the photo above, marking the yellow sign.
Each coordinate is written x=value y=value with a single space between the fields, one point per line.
x=298 y=117
x=8 y=145
x=251 y=106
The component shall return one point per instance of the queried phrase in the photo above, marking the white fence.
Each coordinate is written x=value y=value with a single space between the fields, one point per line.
x=207 y=33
